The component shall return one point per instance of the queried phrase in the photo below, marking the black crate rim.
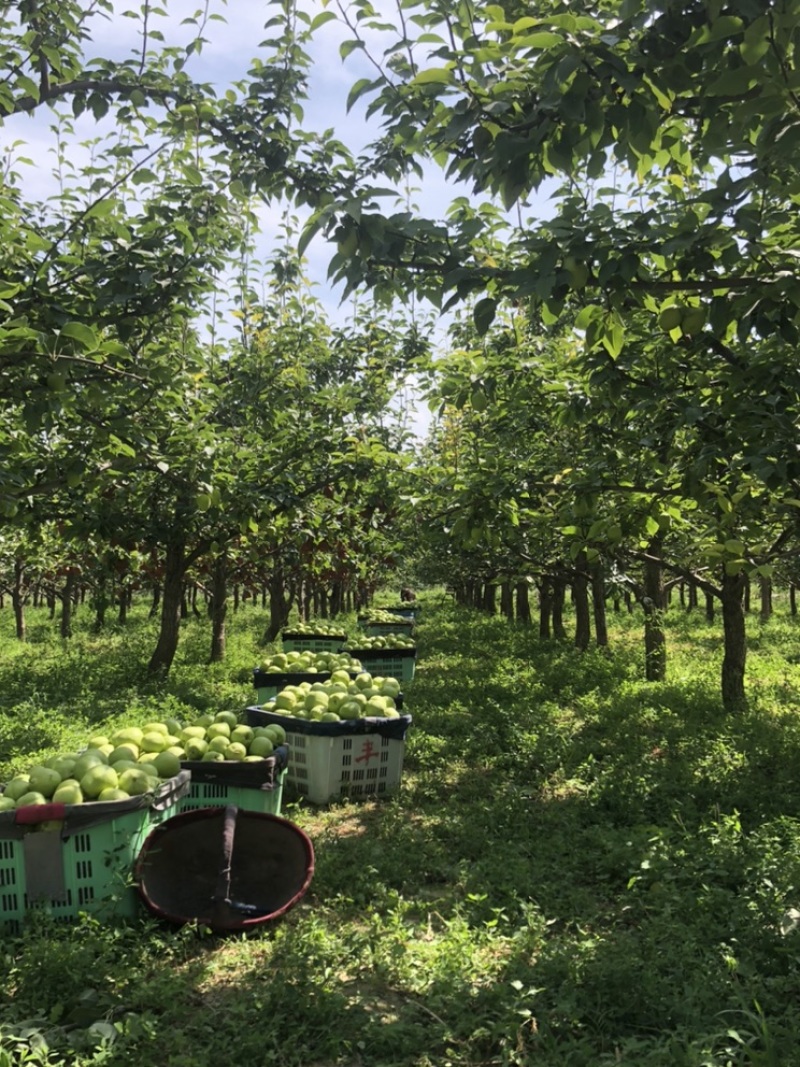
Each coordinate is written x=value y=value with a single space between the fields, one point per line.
x=394 y=729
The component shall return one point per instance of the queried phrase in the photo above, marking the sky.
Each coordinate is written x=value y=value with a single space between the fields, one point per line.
x=224 y=60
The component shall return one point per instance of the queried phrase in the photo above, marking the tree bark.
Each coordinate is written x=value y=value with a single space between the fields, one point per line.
x=172 y=602
x=156 y=600
x=557 y=608
x=280 y=606
x=18 y=599
x=507 y=601
x=337 y=598
x=523 y=604
x=545 y=608
x=709 y=607
x=122 y=607
x=691 y=601
x=653 y=603
x=490 y=598
x=67 y=601
x=792 y=599
x=580 y=597
x=218 y=608
x=765 y=589
x=735 y=656
x=598 y=580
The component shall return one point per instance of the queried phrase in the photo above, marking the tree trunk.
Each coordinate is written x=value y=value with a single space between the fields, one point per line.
x=691 y=599
x=557 y=608
x=337 y=598
x=18 y=599
x=580 y=599
x=280 y=606
x=218 y=608
x=523 y=604
x=67 y=597
x=123 y=603
x=709 y=607
x=507 y=601
x=792 y=599
x=653 y=602
x=735 y=657
x=172 y=601
x=746 y=594
x=765 y=589
x=546 y=604
x=307 y=601
x=156 y=600
x=599 y=604
x=490 y=598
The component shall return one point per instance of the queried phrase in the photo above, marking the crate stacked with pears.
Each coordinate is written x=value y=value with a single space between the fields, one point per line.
x=344 y=719
x=72 y=827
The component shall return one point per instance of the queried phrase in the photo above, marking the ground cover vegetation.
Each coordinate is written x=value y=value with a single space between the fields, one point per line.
x=582 y=866
x=617 y=412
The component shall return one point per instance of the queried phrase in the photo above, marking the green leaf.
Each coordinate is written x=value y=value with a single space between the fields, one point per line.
x=731 y=83
x=756 y=41
x=484 y=313
x=540 y=41
x=101 y=209
x=321 y=19
x=78 y=331
x=121 y=448
x=346 y=47
x=587 y=315
x=362 y=86
x=434 y=75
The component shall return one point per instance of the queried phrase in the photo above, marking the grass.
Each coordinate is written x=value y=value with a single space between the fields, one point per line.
x=581 y=867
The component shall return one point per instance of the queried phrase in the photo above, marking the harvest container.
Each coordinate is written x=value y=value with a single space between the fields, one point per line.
x=399 y=663
x=300 y=642
x=380 y=629
x=350 y=758
x=250 y=786
x=70 y=858
x=405 y=612
x=269 y=683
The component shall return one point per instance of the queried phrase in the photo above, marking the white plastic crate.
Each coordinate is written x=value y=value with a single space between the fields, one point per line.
x=294 y=642
x=343 y=759
x=322 y=768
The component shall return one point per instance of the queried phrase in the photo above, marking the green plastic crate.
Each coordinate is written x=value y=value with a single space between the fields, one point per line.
x=292 y=642
x=399 y=663
x=380 y=629
x=76 y=864
x=250 y=786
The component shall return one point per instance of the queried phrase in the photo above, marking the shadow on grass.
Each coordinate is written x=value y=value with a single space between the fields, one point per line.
x=579 y=867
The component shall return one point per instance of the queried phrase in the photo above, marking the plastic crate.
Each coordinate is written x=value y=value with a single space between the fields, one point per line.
x=83 y=860
x=405 y=612
x=250 y=786
x=399 y=663
x=380 y=629
x=269 y=683
x=353 y=758
x=294 y=642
